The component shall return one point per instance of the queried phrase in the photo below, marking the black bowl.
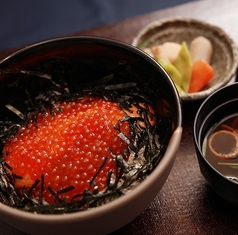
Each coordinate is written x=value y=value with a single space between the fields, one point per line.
x=102 y=56
x=216 y=108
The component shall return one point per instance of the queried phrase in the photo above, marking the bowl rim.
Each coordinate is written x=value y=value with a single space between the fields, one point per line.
x=143 y=186
x=201 y=95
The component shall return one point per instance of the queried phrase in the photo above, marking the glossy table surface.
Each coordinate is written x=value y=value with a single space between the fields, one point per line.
x=186 y=204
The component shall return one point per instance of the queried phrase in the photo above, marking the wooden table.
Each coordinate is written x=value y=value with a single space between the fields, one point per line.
x=186 y=204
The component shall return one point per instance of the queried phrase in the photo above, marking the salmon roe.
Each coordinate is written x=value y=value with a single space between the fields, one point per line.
x=68 y=147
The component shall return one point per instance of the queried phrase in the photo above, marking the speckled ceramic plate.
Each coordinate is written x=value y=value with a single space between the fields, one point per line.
x=224 y=59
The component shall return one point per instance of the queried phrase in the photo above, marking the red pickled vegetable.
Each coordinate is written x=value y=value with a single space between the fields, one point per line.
x=202 y=73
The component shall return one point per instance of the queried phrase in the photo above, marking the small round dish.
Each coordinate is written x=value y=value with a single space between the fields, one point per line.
x=224 y=58
x=218 y=167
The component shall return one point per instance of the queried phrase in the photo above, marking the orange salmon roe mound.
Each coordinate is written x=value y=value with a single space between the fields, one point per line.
x=68 y=147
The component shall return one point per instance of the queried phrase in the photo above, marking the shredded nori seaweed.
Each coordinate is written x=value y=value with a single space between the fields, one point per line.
x=58 y=80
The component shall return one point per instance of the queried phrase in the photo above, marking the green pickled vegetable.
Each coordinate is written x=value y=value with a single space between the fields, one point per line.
x=173 y=73
x=184 y=64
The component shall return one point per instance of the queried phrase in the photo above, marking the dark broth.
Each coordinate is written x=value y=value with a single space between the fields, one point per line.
x=226 y=166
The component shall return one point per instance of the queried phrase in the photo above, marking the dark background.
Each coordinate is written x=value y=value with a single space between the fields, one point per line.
x=27 y=21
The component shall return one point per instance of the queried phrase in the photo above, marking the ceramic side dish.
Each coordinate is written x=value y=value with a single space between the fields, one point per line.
x=224 y=58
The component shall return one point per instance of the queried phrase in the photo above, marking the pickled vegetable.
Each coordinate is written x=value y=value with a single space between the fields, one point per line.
x=184 y=65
